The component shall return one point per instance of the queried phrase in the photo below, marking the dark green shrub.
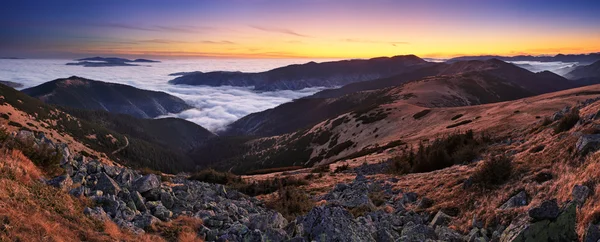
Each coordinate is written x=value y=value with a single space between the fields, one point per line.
x=567 y=122
x=459 y=124
x=213 y=176
x=320 y=169
x=291 y=203
x=456 y=117
x=342 y=168
x=494 y=171
x=421 y=114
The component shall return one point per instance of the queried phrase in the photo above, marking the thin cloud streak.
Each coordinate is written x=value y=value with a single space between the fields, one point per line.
x=394 y=43
x=279 y=30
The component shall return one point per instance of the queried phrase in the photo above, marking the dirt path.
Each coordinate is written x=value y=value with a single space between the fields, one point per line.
x=120 y=149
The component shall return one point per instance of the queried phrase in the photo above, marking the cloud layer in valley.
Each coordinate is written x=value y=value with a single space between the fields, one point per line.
x=215 y=106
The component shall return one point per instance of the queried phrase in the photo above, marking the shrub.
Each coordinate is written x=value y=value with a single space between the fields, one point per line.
x=459 y=124
x=567 y=122
x=342 y=168
x=291 y=202
x=493 y=171
x=213 y=176
x=456 y=117
x=378 y=198
x=537 y=149
x=267 y=186
x=15 y=124
x=443 y=152
x=320 y=169
x=421 y=114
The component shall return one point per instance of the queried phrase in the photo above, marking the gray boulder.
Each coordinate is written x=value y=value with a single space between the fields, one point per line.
x=440 y=219
x=417 y=232
x=446 y=234
x=592 y=233
x=63 y=182
x=107 y=184
x=146 y=183
x=588 y=143
x=96 y=213
x=580 y=193
x=547 y=210
x=145 y=220
x=162 y=212
x=518 y=200
x=560 y=229
x=267 y=220
x=333 y=223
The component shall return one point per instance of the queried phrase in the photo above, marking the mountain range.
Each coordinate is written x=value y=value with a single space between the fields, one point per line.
x=312 y=74
x=83 y=93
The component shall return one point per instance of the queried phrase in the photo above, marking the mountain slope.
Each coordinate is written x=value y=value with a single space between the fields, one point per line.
x=82 y=93
x=137 y=148
x=294 y=77
x=589 y=73
x=464 y=83
x=582 y=58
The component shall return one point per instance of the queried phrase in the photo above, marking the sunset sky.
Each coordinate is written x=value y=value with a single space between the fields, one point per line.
x=304 y=28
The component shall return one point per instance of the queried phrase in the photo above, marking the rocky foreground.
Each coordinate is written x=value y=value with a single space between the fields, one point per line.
x=135 y=202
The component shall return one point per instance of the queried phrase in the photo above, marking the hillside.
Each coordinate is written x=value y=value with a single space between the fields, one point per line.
x=81 y=93
x=295 y=77
x=137 y=148
x=587 y=74
x=439 y=85
x=581 y=58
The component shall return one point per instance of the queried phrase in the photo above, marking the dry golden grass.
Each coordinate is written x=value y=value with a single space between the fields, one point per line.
x=33 y=211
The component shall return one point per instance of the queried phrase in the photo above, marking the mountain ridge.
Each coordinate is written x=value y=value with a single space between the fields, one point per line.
x=84 y=93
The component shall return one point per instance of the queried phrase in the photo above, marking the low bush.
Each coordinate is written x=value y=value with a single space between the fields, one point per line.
x=267 y=186
x=459 y=124
x=493 y=171
x=567 y=122
x=421 y=114
x=320 y=169
x=456 y=117
x=291 y=203
x=213 y=176
x=459 y=148
x=342 y=168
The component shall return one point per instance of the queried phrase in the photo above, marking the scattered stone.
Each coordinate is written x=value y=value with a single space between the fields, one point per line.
x=440 y=219
x=409 y=197
x=580 y=193
x=592 y=233
x=588 y=143
x=146 y=183
x=417 y=232
x=107 y=184
x=333 y=223
x=560 y=229
x=424 y=203
x=63 y=182
x=162 y=212
x=96 y=213
x=518 y=200
x=547 y=210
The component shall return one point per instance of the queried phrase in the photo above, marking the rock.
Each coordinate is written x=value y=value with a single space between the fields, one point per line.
x=440 y=219
x=592 y=233
x=268 y=220
x=518 y=200
x=167 y=199
x=333 y=223
x=79 y=191
x=96 y=213
x=355 y=194
x=112 y=171
x=588 y=143
x=137 y=199
x=93 y=167
x=417 y=232
x=146 y=183
x=63 y=182
x=145 y=220
x=272 y=234
x=383 y=235
x=424 y=203
x=125 y=178
x=213 y=223
x=476 y=223
x=409 y=197
x=446 y=234
x=162 y=212
x=580 y=193
x=561 y=229
x=107 y=184
x=547 y=210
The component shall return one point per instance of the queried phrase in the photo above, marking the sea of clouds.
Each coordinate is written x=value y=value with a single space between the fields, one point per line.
x=215 y=106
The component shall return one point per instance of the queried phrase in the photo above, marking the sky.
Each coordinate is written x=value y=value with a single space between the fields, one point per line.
x=297 y=29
